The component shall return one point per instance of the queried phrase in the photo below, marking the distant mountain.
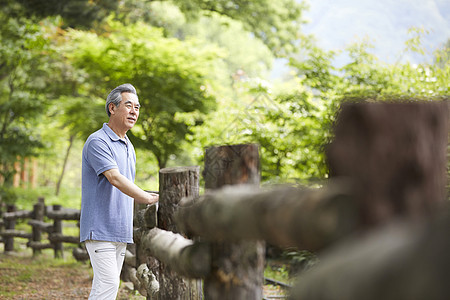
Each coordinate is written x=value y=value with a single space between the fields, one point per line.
x=337 y=23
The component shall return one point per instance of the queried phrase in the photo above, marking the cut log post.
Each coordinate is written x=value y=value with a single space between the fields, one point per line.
x=396 y=153
x=147 y=218
x=174 y=185
x=57 y=229
x=10 y=224
x=231 y=165
x=285 y=216
x=38 y=215
x=237 y=268
x=184 y=256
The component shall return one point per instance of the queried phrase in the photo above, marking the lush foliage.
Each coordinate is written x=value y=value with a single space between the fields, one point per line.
x=171 y=77
x=201 y=70
x=26 y=62
x=276 y=23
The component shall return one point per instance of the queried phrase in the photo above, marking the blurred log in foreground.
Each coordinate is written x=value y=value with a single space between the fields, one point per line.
x=398 y=262
x=185 y=257
x=396 y=153
x=286 y=216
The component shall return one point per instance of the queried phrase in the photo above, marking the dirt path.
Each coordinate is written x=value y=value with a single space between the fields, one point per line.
x=22 y=277
x=25 y=277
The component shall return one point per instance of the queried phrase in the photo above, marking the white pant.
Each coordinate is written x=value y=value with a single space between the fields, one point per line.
x=106 y=260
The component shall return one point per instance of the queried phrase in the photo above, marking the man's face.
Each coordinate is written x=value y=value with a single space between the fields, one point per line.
x=127 y=112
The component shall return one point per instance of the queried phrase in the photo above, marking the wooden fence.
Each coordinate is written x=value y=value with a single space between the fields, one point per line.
x=35 y=218
x=388 y=165
x=384 y=202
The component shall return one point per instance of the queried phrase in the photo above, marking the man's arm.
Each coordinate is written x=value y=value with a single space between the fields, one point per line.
x=129 y=188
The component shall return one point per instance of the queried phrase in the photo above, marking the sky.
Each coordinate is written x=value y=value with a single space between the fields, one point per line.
x=385 y=23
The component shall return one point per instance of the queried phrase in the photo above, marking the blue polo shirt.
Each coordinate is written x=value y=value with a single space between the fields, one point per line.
x=106 y=212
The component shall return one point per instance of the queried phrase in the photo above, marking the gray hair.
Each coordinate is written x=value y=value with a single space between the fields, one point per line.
x=115 y=96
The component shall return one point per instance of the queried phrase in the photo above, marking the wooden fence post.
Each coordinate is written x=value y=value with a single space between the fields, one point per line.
x=2 y=222
x=57 y=229
x=396 y=155
x=175 y=184
x=10 y=224
x=38 y=215
x=237 y=268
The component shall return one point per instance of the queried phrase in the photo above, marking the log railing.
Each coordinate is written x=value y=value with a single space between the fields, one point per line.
x=388 y=165
x=56 y=238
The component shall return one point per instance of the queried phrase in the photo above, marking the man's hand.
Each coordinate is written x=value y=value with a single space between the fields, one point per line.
x=153 y=198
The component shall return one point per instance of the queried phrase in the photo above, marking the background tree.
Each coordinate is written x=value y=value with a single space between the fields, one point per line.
x=294 y=128
x=76 y=14
x=276 y=23
x=170 y=75
x=24 y=74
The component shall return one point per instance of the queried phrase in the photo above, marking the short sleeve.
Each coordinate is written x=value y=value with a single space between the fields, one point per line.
x=100 y=157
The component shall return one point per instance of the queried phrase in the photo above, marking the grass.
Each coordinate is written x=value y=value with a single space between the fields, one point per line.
x=42 y=277
x=68 y=197
x=23 y=276
x=277 y=272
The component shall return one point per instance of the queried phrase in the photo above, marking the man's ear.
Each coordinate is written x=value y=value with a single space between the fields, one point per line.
x=111 y=108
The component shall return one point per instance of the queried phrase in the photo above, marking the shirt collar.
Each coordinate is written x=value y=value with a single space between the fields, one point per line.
x=112 y=135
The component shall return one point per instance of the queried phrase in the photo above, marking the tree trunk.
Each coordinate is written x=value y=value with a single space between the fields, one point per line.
x=396 y=153
x=237 y=268
x=58 y=184
x=175 y=184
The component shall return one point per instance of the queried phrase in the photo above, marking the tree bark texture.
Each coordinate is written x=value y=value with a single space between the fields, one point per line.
x=286 y=216
x=237 y=268
x=231 y=165
x=396 y=152
x=396 y=262
x=174 y=185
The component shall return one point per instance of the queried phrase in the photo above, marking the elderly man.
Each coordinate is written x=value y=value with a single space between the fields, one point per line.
x=109 y=192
